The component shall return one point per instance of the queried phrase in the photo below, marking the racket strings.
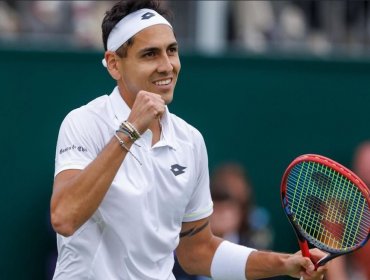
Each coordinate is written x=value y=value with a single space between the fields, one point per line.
x=329 y=207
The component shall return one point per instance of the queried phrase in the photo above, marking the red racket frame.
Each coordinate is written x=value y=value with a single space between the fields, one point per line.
x=303 y=243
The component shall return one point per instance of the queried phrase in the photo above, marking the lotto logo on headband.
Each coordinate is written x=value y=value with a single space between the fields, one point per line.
x=147 y=15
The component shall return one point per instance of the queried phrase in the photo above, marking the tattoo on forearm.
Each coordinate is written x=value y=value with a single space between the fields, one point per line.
x=193 y=231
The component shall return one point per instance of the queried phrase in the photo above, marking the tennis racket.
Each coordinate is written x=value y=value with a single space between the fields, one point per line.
x=327 y=204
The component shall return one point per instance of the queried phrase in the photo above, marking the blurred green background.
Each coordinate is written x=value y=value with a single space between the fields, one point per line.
x=261 y=111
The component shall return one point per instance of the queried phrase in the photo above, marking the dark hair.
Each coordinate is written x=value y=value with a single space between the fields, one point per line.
x=122 y=9
x=221 y=194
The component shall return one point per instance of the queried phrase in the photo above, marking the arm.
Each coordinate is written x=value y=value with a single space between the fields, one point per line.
x=268 y=264
x=77 y=194
x=196 y=252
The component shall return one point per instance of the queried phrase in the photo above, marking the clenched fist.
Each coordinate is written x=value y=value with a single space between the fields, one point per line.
x=147 y=107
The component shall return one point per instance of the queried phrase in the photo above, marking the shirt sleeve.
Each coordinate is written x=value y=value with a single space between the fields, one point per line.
x=76 y=146
x=200 y=205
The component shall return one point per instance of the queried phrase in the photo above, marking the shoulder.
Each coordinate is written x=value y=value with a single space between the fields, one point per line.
x=92 y=118
x=184 y=130
x=94 y=109
x=186 y=134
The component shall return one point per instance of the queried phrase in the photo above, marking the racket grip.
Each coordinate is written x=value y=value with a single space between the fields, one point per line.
x=304 y=248
x=306 y=251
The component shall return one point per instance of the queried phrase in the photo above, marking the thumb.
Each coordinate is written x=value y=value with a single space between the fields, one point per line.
x=308 y=265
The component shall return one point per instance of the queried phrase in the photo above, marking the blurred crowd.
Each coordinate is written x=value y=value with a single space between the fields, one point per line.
x=50 y=23
x=318 y=27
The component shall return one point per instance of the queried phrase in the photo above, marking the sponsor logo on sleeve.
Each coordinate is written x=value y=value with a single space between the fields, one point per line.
x=72 y=148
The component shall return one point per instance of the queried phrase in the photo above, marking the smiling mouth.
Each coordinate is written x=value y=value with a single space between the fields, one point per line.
x=163 y=82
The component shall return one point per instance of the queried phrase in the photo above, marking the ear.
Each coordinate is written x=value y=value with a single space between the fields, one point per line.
x=112 y=65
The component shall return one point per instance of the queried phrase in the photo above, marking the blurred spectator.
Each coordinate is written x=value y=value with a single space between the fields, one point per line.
x=235 y=216
x=337 y=269
x=227 y=217
x=233 y=192
x=87 y=16
x=356 y=265
x=253 y=22
x=360 y=259
x=9 y=20
x=292 y=25
x=317 y=17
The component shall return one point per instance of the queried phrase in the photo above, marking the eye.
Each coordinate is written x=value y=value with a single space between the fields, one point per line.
x=149 y=54
x=173 y=50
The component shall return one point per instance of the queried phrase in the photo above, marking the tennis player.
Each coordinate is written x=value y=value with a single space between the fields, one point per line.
x=131 y=179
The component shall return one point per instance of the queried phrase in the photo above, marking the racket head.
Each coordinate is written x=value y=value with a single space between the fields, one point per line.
x=327 y=204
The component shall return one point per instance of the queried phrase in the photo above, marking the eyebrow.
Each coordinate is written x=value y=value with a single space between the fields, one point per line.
x=155 y=49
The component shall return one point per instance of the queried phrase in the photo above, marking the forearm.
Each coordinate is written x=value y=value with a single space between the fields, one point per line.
x=199 y=263
x=266 y=264
x=205 y=254
x=195 y=252
x=76 y=197
x=232 y=261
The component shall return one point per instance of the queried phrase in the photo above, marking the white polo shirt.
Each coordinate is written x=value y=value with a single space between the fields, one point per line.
x=136 y=228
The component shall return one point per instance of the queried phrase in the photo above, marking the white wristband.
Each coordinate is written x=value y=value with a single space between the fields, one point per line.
x=229 y=261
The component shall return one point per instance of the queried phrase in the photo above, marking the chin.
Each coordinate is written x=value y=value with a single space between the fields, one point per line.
x=167 y=97
x=168 y=100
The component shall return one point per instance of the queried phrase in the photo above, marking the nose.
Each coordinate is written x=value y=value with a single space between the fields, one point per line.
x=165 y=64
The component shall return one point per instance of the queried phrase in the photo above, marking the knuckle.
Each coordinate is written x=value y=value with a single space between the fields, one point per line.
x=141 y=93
x=147 y=99
x=150 y=103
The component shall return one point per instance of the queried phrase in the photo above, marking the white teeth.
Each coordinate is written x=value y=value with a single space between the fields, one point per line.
x=163 y=83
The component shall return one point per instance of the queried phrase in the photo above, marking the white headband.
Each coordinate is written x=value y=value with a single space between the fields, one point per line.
x=130 y=25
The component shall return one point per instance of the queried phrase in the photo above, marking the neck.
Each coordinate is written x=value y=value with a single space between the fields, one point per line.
x=125 y=96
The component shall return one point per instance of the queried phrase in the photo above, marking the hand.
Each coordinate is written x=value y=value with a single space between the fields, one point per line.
x=303 y=267
x=316 y=255
x=147 y=107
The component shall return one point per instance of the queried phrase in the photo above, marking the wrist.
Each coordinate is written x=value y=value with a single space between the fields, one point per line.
x=282 y=263
x=129 y=130
x=125 y=138
x=125 y=142
x=229 y=261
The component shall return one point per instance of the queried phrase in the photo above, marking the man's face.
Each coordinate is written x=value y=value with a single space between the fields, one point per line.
x=226 y=218
x=152 y=64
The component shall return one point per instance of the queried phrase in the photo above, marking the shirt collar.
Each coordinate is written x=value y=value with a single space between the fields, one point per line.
x=168 y=137
x=120 y=108
x=121 y=112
